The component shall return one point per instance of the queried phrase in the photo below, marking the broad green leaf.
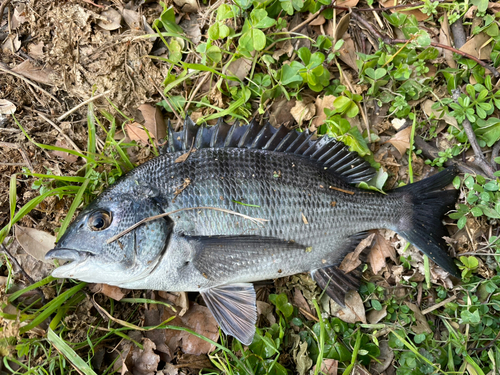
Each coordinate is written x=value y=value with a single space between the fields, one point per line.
x=304 y=54
x=224 y=11
x=214 y=53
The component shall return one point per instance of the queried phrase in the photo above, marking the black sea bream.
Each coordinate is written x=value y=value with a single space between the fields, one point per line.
x=213 y=241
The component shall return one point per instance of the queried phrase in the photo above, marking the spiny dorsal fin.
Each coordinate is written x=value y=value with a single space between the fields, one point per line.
x=333 y=155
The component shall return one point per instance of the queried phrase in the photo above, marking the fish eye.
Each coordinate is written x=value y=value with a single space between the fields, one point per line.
x=99 y=220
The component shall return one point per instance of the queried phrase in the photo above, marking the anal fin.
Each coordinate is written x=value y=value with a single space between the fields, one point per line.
x=235 y=309
x=336 y=283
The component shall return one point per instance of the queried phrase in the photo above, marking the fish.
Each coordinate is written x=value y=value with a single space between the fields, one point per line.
x=225 y=206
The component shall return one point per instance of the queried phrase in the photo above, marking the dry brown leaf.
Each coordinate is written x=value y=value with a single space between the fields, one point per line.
x=20 y=16
x=322 y=103
x=35 y=73
x=153 y=120
x=351 y=260
x=347 y=3
x=145 y=361
x=132 y=18
x=348 y=52
x=470 y=13
x=111 y=291
x=279 y=113
x=401 y=140
x=342 y=27
x=380 y=250
x=136 y=132
x=427 y=107
x=192 y=29
x=7 y=107
x=238 y=68
x=70 y=158
x=417 y=13
x=304 y=219
x=35 y=242
x=266 y=309
x=445 y=38
x=187 y=6
x=112 y=20
x=158 y=336
x=179 y=299
x=11 y=44
x=300 y=301
x=318 y=21
x=36 y=50
x=354 y=310
x=199 y=319
x=375 y=316
x=303 y=112
x=384 y=360
x=421 y=325
x=183 y=157
x=477 y=47
x=328 y=367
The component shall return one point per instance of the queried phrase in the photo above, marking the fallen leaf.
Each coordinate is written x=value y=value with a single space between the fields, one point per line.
x=35 y=242
x=375 y=316
x=470 y=12
x=36 y=50
x=303 y=112
x=302 y=358
x=478 y=47
x=434 y=113
x=183 y=157
x=266 y=309
x=136 y=132
x=20 y=16
x=322 y=103
x=176 y=298
x=112 y=20
x=279 y=113
x=153 y=120
x=347 y=52
x=300 y=301
x=380 y=250
x=240 y=69
x=35 y=73
x=421 y=325
x=318 y=21
x=132 y=18
x=401 y=140
x=144 y=361
x=152 y=318
x=397 y=123
x=199 y=319
x=347 y=3
x=351 y=261
x=187 y=6
x=360 y=370
x=445 y=38
x=384 y=360
x=342 y=27
x=7 y=107
x=11 y=44
x=110 y=291
x=328 y=367
x=192 y=28
x=354 y=310
x=70 y=158
x=417 y=13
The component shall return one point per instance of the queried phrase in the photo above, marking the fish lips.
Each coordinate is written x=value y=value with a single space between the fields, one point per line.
x=67 y=254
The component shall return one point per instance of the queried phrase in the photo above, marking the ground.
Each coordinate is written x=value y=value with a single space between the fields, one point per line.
x=86 y=92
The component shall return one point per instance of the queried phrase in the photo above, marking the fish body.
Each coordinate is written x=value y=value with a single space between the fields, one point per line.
x=249 y=204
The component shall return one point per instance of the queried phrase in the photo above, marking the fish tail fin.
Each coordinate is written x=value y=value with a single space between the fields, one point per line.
x=421 y=223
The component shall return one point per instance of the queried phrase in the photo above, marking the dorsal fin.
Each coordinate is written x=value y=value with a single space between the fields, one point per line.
x=333 y=155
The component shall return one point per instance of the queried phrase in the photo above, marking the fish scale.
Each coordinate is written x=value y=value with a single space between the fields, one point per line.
x=303 y=189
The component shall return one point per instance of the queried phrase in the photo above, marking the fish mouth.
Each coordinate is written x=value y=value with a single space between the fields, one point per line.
x=67 y=254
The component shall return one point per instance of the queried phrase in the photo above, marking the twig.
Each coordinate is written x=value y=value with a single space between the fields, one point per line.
x=5 y=69
x=438 y=305
x=62 y=133
x=494 y=153
x=21 y=150
x=132 y=227
x=62 y=117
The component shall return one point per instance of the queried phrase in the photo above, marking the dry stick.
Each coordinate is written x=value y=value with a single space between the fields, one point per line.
x=62 y=133
x=5 y=69
x=62 y=117
x=195 y=91
x=21 y=150
x=132 y=227
x=437 y=306
x=390 y=41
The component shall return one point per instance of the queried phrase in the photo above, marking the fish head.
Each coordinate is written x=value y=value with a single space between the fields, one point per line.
x=98 y=249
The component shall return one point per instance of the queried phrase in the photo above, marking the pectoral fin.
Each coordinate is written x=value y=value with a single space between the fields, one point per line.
x=336 y=283
x=234 y=308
